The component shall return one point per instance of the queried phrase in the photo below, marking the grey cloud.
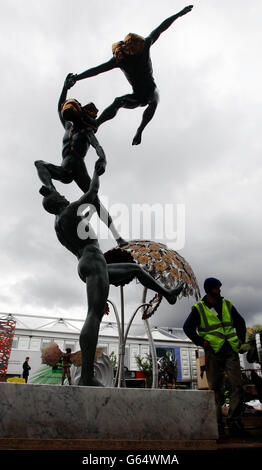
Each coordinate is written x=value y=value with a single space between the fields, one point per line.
x=202 y=148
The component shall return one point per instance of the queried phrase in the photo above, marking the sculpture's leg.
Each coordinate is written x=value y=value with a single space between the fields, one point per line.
x=63 y=376
x=48 y=171
x=97 y=292
x=81 y=176
x=127 y=271
x=127 y=101
x=146 y=118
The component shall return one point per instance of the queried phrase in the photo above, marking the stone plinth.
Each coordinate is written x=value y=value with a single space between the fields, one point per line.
x=63 y=412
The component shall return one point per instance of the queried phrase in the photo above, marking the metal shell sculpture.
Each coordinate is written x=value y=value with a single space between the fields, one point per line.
x=51 y=355
x=103 y=371
x=165 y=265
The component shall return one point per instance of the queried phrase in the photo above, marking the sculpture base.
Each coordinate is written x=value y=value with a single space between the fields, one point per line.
x=106 y=414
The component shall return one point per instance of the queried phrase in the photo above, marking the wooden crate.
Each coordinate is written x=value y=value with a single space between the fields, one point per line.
x=201 y=381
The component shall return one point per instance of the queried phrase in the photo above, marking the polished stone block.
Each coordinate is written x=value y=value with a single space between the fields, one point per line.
x=62 y=412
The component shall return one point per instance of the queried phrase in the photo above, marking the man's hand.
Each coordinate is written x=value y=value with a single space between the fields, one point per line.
x=185 y=10
x=70 y=80
x=100 y=166
x=239 y=343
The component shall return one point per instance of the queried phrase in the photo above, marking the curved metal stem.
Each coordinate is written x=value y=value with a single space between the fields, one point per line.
x=121 y=376
x=119 y=342
x=152 y=347
x=116 y=315
x=120 y=379
x=131 y=320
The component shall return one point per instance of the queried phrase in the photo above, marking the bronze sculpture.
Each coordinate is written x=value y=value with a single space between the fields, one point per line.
x=93 y=270
x=79 y=135
x=132 y=56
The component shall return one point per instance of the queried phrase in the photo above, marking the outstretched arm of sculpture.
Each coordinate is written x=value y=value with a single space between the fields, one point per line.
x=105 y=67
x=68 y=83
x=91 y=194
x=100 y=165
x=167 y=23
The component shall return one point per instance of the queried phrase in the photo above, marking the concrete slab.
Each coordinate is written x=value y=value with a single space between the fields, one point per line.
x=56 y=412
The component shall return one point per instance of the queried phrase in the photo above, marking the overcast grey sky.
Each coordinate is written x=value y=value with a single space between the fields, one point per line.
x=202 y=149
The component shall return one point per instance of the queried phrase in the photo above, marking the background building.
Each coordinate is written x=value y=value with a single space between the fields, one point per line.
x=33 y=333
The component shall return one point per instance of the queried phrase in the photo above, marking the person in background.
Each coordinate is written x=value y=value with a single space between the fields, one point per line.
x=215 y=325
x=66 y=364
x=26 y=369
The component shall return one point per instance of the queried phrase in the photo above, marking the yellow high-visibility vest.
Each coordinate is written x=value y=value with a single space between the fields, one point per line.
x=213 y=330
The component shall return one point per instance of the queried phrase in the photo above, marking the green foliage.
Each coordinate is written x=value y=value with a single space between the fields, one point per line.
x=257 y=328
x=252 y=353
x=253 y=330
x=113 y=360
x=250 y=345
x=144 y=364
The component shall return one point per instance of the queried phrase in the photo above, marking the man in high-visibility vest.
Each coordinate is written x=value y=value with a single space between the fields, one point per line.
x=215 y=325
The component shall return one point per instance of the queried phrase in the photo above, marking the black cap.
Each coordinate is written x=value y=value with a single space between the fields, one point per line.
x=210 y=283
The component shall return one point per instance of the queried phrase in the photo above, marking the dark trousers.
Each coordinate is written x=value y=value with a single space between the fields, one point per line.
x=218 y=365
